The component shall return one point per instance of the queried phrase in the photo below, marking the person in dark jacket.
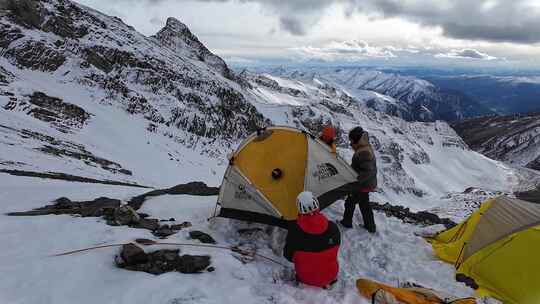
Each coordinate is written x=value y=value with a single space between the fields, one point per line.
x=364 y=163
x=312 y=244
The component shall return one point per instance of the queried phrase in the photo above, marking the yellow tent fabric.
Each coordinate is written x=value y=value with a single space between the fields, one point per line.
x=448 y=245
x=271 y=167
x=258 y=158
x=507 y=269
x=384 y=294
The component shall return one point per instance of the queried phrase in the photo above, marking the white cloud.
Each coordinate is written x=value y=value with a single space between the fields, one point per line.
x=345 y=51
x=466 y=54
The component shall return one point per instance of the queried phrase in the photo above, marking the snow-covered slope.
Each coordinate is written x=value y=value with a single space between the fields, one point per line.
x=83 y=94
x=418 y=162
x=30 y=275
x=408 y=97
x=514 y=138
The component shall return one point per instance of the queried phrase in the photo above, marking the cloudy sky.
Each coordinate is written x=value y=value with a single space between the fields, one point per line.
x=476 y=33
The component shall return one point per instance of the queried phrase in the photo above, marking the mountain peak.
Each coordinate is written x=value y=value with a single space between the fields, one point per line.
x=175 y=25
x=177 y=36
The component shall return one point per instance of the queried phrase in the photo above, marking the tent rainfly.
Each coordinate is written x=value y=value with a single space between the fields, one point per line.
x=271 y=167
x=496 y=250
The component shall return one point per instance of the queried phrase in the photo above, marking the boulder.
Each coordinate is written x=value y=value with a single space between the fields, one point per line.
x=125 y=215
x=181 y=226
x=201 y=236
x=132 y=254
x=164 y=231
x=193 y=263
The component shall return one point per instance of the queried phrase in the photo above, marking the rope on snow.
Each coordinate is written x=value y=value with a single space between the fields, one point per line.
x=147 y=242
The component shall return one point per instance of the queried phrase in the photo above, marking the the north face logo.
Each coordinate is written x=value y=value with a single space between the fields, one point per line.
x=241 y=193
x=325 y=170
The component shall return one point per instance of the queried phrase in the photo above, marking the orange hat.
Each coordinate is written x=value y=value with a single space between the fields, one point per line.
x=328 y=134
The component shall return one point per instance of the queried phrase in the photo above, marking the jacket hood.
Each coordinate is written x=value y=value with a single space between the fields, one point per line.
x=314 y=223
x=364 y=140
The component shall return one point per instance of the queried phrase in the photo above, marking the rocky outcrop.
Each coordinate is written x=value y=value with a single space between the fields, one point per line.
x=156 y=78
x=36 y=55
x=193 y=188
x=513 y=138
x=132 y=257
x=61 y=115
x=422 y=218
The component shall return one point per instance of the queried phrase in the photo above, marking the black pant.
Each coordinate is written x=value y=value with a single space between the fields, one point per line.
x=362 y=200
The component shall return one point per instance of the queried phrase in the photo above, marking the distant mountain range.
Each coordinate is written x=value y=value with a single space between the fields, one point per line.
x=501 y=94
x=408 y=97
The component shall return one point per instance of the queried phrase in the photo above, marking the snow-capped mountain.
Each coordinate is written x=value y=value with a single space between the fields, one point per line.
x=85 y=97
x=514 y=138
x=409 y=97
x=83 y=90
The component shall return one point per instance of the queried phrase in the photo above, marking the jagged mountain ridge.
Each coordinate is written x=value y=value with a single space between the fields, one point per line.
x=61 y=37
x=512 y=138
x=84 y=94
x=408 y=97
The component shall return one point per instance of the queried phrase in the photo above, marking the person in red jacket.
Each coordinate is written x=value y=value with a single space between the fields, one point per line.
x=328 y=136
x=312 y=244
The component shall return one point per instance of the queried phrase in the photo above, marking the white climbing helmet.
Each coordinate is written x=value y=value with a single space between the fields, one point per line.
x=306 y=203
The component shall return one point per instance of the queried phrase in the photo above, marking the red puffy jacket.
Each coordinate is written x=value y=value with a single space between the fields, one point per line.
x=312 y=245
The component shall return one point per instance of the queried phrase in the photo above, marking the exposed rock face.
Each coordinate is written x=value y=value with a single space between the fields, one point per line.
x=138 y=74
x=513 y=138
x=36 y=55
x=177 y=36
x=61 y=115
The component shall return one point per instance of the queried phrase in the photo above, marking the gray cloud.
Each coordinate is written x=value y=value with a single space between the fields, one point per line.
x=490 y=20
x=292 y=25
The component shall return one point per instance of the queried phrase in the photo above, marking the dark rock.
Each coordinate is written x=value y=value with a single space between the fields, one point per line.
x=36 y=55
x=8 y=34
x=181 y=226
x=60 y=113
x=211 y=269
x=125 y=215
x=68 y=177
x=162 y=261
x=193 y=188
x=419 y=218
x=201 y=236
x=193 y=263
x=144 y=223
x=143 y=215
x=532 y=196
x=27 y=13
x=164 y=231
x=132 y=254
x=64 y=203
x=64 y=27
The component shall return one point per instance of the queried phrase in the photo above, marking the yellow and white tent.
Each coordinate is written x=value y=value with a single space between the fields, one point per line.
x=271 y=167
x=497 y=250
